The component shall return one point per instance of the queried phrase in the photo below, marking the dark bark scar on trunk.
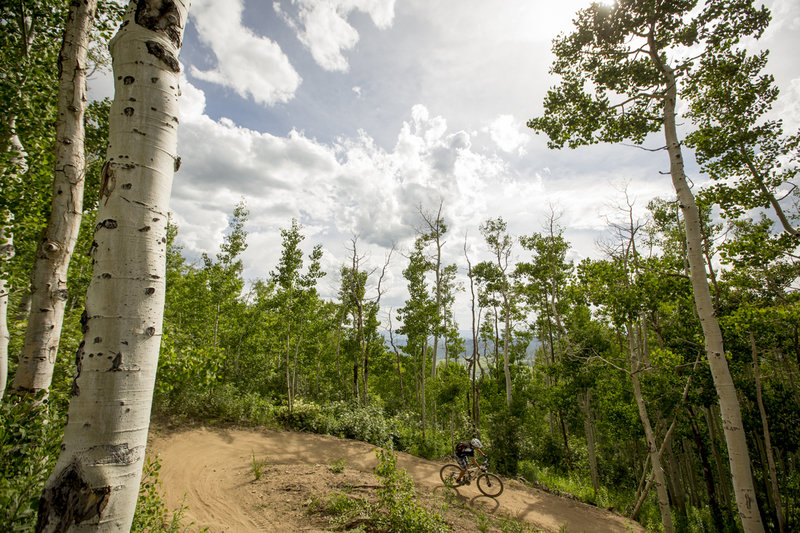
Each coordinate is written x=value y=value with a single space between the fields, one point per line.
x=70 y=501
x=160 y=16
x=158 y=50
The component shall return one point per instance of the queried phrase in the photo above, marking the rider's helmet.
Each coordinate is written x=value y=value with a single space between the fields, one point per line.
x=476 y=443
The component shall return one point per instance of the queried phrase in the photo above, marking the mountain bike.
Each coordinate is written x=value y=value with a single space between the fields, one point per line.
x=488 y=483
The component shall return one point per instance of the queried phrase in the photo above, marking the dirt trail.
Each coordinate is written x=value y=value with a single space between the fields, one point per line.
x=213 y=469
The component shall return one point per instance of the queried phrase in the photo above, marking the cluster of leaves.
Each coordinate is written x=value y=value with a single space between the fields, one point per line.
x=398 y=500
x=396 y=509
x=30 y=434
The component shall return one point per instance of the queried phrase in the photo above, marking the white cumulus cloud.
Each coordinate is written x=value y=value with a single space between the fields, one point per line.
x=322 y=26
x=507 y=134
x=253 y=66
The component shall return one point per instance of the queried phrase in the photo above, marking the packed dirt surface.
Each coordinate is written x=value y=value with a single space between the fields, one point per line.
x=211 y=471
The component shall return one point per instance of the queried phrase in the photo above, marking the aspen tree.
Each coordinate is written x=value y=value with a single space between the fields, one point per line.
x=622 y=71
x=95 y=482
x=19 y=165
x=54 y=251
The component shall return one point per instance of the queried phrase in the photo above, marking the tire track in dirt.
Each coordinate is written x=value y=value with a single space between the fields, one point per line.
x=210 y=470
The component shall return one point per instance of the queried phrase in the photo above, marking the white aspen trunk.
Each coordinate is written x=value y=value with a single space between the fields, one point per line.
x=506 y=369
x=54 y=252
x=18 y=160
x=6 y=253
x=738 y=455
x=652 y=449
x=422 y=374
x=438 y=318
x=95 y=483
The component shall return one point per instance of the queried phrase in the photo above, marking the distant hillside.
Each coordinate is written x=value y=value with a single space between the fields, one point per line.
x=400 y=340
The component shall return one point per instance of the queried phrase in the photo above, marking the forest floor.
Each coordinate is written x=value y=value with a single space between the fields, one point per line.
x=210 y=470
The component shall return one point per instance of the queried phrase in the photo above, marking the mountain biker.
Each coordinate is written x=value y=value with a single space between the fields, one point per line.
x=467 y=449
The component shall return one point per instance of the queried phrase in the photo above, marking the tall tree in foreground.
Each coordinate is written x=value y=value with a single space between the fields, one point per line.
x=621 y=75
x=95 y=483
x=54 y=252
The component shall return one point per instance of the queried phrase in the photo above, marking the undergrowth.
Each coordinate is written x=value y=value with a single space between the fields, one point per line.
x=395 y=511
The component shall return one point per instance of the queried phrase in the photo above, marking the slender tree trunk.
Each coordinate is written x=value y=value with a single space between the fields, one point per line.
x=475 y=354
x=422 y=377
x=773 y=476
x=585 y=400
x=397 y=356
x=362 y=343
x=338 y=343
x=738 y=455
x=713 y=499
x=17 y=159
x=54 y=252
x=674 y=479
x=506 y=369
x=6 y=253
x=95 y=483
x=289 y=399
x=294 y=364
x=652 y=449
x=711 y=422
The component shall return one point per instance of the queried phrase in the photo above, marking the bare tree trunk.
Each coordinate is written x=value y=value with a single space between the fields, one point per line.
x=397 y=355
x=773 y=476
x=54 y=252
x=475 y=354
x=6 y=253
x=733 y=428
x=338 y=343
x=711 y=490
x=422 y=377
x=18 y=161
x=289 y=397
x=711 y=422
x=95 y=483
x=652 y=449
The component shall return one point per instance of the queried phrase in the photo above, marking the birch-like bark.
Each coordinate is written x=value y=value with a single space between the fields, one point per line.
x=6 y=253
x=397 y=357
x=54 y=252
x=738 y=455
x=652 y=448
x=95 y=482
x=18 y=161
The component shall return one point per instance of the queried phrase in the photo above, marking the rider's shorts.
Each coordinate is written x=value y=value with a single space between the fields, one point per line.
x=462 y=461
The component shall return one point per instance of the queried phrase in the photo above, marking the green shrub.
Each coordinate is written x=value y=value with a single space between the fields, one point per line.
x=30 y=435
x=402 y=514
x=337 y=467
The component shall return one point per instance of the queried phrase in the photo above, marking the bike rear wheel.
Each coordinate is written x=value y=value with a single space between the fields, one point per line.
x=449 y=474
x=490 y=485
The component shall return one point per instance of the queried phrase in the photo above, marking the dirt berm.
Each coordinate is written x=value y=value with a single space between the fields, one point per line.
x=211 y=471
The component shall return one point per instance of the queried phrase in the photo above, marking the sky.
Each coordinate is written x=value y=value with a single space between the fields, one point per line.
x=352 y=115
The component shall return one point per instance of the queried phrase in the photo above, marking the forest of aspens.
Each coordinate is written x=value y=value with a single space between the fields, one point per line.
x=660 y=379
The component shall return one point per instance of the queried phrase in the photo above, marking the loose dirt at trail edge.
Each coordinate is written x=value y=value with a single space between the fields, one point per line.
x=211 y=471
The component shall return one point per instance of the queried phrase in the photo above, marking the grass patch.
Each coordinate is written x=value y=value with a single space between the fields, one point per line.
x=258 y=467
x=337 y=467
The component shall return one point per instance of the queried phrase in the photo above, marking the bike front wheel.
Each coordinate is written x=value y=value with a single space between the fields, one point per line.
x=449 y=474
x=490 y=485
